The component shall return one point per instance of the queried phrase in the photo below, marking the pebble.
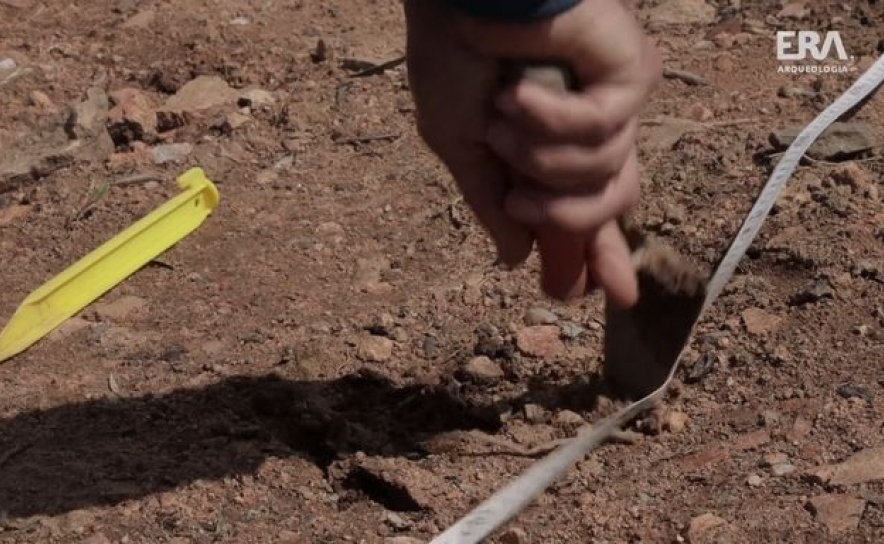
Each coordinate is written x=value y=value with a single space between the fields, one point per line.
x=849 y=391
x=782 y=469
x=240 y=21
x=699 y=112
x=483 y=369
x=534 y=413
x=540 y=316
x=402 y=540
x=772 y=459
x=141 y=19
x=121 y=308
x=862 y=467
x=374 y=349
x=41 y=100
x=754 y=480
x=711 y=529
x=758 y=321
x=675 y=421
x=841 y=141
x=397 y=522
x=815 y=292
x=682 y=12
x=256 y=98
x=839 y=513
x=201 y=93
x=540 y=341
x=570 y=330
x=132 y=117
x=166 y=153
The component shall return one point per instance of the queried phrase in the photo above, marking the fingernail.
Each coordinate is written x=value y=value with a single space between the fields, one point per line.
x=524 y=209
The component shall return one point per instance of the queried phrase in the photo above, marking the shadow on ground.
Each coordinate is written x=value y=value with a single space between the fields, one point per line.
x=104 y=452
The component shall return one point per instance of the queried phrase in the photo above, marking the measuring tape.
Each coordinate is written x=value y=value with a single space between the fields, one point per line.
x=512 y=499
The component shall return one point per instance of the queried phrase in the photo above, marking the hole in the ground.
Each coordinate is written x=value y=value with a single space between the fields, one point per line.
x=387 y=494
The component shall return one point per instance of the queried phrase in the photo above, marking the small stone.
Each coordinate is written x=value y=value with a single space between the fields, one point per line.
x=534 y=413
x=374 y=349
x=256 y=98
x=483 y=369
x=540 y=341
x=430 y=347
x=711 y=529
x=399 y=334
x=330 y=228
x=239 y=21
x=132 y=117
x=41 y=100
x=754 y=480
x=793 y=10
x=770 y=418
x=772 y=459
x=235 y=120
x=724 y=63
x=758 y=321
x=682 y=12
x=142 y=19
x=675 y=421
x=862 y=467
x=782 y=469
x=397 y=522
x=839 y=142
x=799 y=429
x=839 y=513
x=815 y=292
x=699 y=112
x=201 y=93
x=514 y=535
x=121 y=308
x=850 y=390
x=571 y=331
x=540 y=316
x=167 y=153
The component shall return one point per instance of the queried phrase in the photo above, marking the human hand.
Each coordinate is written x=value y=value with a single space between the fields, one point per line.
x=577 y=149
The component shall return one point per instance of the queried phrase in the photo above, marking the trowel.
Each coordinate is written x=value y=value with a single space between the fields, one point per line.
x=642 y=343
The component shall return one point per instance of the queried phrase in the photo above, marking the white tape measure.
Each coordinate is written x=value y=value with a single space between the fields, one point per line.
x=512 y=499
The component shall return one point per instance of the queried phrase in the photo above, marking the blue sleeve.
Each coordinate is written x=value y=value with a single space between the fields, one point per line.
x=513 y=10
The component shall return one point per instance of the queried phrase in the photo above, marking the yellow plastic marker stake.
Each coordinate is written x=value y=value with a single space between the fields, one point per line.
x=98 y=272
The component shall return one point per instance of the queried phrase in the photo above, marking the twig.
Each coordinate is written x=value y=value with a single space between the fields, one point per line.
x=104 y=188
x=368 y=139
x=380 y=68
x=682 y=75
x=694 y=125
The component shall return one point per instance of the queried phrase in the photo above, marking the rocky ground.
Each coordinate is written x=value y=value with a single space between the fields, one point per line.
x=332 y=357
